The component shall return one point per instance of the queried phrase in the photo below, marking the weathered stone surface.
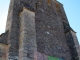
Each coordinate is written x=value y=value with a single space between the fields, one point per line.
x=72 y=42
x=38 y=25
x=3 y=38
x=3 y=51
x=27 y=35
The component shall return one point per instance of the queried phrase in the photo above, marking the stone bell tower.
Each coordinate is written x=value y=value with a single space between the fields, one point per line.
x=38 y=30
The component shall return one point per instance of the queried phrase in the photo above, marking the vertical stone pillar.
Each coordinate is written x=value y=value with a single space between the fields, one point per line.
x=76 y=44
x=12 y=26
x=73 y=45
x=27 y=45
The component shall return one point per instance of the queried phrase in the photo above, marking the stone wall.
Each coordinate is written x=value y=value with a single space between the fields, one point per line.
x=4 y=37
x=50 y=35
x=76 y=43
x=3 y=51
x=72 y=42
x=38 y=25
x=27 y=45
x=3 y=46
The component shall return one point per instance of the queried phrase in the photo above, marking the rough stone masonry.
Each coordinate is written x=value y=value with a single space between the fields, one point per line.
x=38 y=30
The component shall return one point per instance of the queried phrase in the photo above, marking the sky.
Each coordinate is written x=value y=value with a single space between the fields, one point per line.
x=4 y=5
x=71 y=7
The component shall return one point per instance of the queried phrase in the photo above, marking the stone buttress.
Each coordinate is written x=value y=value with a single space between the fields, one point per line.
x=38 y=30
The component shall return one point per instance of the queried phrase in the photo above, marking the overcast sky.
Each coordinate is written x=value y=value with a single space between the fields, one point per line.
x=72 y=9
